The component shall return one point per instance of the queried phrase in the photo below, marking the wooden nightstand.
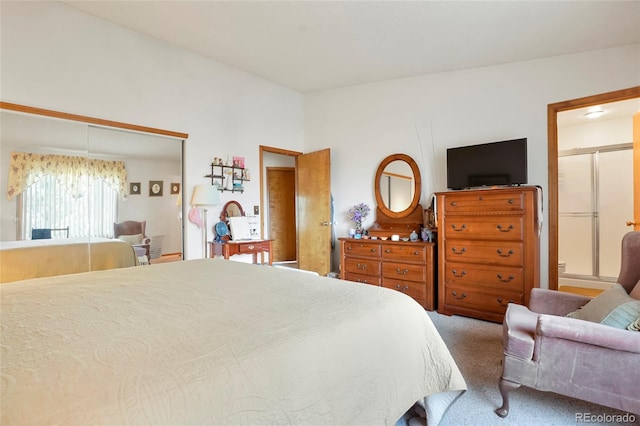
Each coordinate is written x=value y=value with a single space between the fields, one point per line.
x=230 y=248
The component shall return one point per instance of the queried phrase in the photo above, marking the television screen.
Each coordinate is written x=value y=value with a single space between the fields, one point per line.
x=491 y=164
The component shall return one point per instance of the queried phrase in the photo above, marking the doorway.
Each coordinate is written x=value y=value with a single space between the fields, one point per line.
x=281 y=213
x=313 y=206
x=597 y=157
x=278 y=201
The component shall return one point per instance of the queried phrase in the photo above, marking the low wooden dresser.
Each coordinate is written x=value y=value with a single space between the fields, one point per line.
x=404 y=266
x=488 y=250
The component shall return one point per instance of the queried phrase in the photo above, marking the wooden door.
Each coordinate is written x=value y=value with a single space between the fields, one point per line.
x=314 y=211
x=636 y=172
x=281 y=191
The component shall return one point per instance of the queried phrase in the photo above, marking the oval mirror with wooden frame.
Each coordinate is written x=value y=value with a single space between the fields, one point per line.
x=231 y=209
x=397 y=186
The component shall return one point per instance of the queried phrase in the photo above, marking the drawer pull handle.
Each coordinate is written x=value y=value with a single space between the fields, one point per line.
x=373 y=250
x=458 y=275
x=462 y=228
x=405 y=288
x=387 y=251
x=402 y=271
x=455 y=250
x=502 y=303
x=501 y=254
x=251 y=247
x=349 y=247
x=417 y=253
x=501 y=229
x=510 y=201
x=361 y=266
x=505 y=280
x=455 y=295
x=453 y=203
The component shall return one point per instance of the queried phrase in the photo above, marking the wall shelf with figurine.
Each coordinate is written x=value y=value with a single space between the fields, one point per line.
x=228 y=177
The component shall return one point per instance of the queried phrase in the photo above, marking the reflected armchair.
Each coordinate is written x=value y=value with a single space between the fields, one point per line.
x=134 y=233
x=547 y=351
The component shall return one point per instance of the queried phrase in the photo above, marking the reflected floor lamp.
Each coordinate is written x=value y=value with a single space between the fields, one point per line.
x=204 y=196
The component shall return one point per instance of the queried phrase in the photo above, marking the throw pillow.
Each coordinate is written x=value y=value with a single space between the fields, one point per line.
x=613 y=307
x=131 y=239
x=634 y=326
x=635 y=292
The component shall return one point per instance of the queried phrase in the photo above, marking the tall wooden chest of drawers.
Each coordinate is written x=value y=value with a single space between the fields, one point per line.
x=488 y=250
x=404 y=266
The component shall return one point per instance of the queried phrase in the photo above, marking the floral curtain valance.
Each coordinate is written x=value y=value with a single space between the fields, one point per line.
x=73 y=172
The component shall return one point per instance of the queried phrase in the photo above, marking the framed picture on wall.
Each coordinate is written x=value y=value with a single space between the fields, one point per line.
x=134 y=188
x=175 y=188
x=155 y=188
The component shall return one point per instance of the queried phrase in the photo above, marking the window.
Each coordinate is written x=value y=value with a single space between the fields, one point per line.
x=48 y=204
x=59 y=191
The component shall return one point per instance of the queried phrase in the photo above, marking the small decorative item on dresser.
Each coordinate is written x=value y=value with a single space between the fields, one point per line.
x=357 y=214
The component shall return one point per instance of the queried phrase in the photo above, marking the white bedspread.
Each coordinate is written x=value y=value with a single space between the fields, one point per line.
x=215 y=342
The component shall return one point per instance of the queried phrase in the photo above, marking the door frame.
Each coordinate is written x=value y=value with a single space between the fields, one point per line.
x=552 y=154
x=273 y=150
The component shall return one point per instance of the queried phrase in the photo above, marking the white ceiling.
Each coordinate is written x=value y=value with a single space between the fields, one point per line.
x=316 y=45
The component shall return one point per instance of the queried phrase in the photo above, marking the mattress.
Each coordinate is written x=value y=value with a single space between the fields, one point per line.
x=26 y=259
x=216 y=342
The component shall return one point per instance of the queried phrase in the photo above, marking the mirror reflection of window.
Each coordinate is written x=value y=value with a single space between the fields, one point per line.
x=397 y=186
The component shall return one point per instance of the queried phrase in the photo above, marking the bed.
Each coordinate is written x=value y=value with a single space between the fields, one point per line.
x=218 y=342
x=26 y=259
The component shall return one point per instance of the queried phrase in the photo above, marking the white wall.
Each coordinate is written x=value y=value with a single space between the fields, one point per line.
x=422 y=116
x=59 y=58
x=161 y=213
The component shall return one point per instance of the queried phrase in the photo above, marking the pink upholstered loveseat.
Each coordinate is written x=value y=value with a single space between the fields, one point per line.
x=545 y=350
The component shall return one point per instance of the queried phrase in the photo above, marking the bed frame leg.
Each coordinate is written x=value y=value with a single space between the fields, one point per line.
x=505 y=388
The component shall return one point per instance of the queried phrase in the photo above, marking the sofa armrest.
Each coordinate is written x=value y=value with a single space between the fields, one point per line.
x=555 y=302
x=587 y=332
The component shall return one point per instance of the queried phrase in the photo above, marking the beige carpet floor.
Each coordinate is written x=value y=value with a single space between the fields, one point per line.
x=477 y=348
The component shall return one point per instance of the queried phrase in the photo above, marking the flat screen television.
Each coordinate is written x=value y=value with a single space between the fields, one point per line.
x=491 y=164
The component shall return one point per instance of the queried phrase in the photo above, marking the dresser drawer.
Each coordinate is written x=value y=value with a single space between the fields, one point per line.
x=404 y=252
x=362 y=266
x=505 y=253
x=362 y=249
x=470 y=275
x=485 y=228
x=414 y=289
x=481 y=299
x=365 y=279
x=404 y=271
x=484 y=202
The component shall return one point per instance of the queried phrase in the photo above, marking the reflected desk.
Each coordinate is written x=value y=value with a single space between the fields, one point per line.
x=227 y=249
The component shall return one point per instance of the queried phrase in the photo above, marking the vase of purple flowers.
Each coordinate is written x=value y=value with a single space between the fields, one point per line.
x=358 y=214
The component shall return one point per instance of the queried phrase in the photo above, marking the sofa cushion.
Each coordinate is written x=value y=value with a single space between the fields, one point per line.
x=613 y=307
